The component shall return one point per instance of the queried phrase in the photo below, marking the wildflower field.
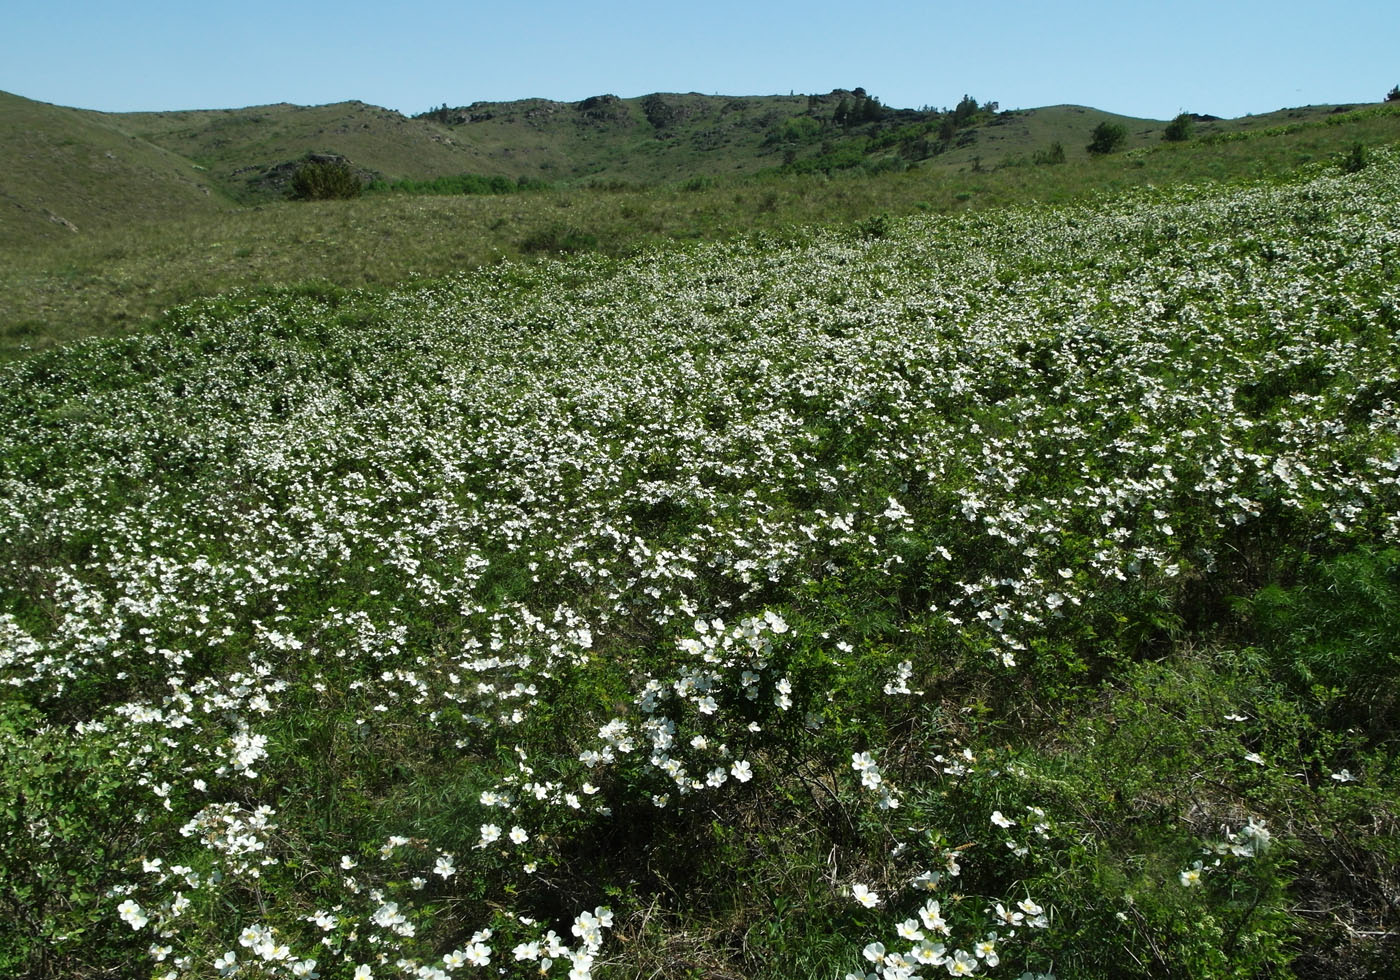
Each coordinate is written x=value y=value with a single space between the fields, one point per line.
x=1004 y=594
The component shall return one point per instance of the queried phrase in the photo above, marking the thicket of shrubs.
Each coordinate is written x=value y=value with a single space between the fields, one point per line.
x=320 y=180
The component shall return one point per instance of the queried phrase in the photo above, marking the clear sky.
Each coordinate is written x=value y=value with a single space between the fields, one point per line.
x=1153 y=60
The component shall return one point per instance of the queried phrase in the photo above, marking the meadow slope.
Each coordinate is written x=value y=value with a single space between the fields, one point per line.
x=997 y=593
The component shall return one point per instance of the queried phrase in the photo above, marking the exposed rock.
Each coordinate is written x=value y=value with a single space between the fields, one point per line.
x=277 y=178
x=60 y=220
x=602 y=108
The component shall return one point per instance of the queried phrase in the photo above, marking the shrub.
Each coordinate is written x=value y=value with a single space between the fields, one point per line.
x=1334 y=629
x=1179 y=129
x=318 y=180
x=1355 y=159
x=558 y=238
x=1108 y=138
x=1393 y=95
x=1055 y=154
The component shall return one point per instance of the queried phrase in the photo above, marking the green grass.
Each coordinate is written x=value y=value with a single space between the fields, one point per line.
x=114 y=281
x=1075 y=526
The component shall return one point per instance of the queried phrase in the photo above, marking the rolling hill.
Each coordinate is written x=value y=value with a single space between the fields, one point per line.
x=106 y=220
x=73 y=170
x=69 y=171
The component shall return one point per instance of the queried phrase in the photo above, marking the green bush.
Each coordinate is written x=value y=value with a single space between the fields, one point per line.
x=1054 y=155
x=318 y=180
x=1334 y=630
x=1355 y=159
x=461 y=184
x=559 y=238
x=1108 y=138
x=1179 y=129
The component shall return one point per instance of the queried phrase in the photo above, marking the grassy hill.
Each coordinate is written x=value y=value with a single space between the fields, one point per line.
x=110 y=219
x=238 y=147
x=69 y=172
x=1005 y=592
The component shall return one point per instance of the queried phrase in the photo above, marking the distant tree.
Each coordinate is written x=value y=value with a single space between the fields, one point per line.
x=1393 y=95
x=1055 y=154
x=439 y=114
x=324 y=181
x=1179 y=129
x=1108 y=138
x=965 y=110
x=843 y=112
x=871 y=110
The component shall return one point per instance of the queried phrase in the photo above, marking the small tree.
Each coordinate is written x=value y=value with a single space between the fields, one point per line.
x=324 y=181
x=1108 y=137
x=1393 y=95
x=1050 y=157
x=1179 y=129
x=1355 y=159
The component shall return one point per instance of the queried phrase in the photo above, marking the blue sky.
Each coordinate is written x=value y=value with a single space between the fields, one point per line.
x=1152 y=60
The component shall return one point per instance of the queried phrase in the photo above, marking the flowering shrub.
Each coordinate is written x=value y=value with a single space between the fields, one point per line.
x=456 y=628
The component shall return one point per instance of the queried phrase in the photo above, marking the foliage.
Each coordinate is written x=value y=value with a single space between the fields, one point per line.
x=559 y=238
x=119 y=280
x=1108 y=137
x=318 y=180
x=1393 y=95
x=1050 y=157
x=852 y=600
x=1355 y=159
x=1333 y=631
x=1179 y=129
x=460 y=184
x=439 y=114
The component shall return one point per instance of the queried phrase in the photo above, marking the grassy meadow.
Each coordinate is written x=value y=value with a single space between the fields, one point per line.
x=117 y=277
x=983 y=573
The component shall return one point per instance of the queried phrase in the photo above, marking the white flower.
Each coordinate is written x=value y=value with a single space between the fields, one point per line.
x=927 y=880
x=929 y=953
x=518 y=835
x=1010 y=917
x=864 y=896
x=527 y=951
x=963 y=964
x=1191 y=877
x=986 y=949
x=741 y=771
x=909 y=929
x=132 y=914
x=490 y=833
x=932 y=917
x=1002 y=821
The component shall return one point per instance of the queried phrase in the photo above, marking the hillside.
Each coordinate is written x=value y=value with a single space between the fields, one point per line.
x=66 y=172
x=1008 y=593
x=80 y=170
x=104 y=225
x=240 y=147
